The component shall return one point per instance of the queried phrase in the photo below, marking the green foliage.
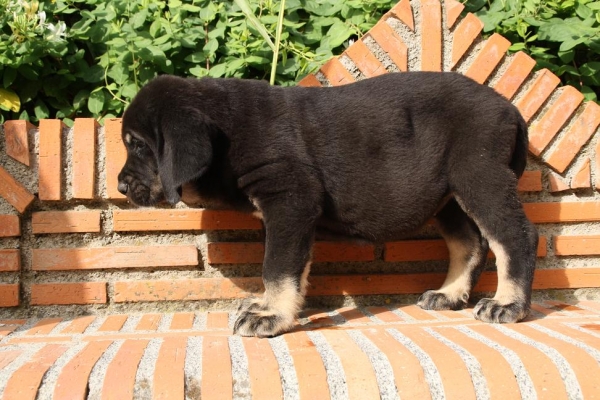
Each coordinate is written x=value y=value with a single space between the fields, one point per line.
x=82 y=58
x=561 y=35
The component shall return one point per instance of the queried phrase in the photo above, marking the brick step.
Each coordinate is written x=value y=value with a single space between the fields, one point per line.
x=357 y=353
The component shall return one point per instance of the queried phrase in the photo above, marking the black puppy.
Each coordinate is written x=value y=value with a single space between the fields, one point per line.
x=371 y=159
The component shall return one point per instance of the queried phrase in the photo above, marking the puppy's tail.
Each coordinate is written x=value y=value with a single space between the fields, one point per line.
x=519 y=158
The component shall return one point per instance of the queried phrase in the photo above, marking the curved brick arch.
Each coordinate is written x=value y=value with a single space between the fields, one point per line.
x=431 y=33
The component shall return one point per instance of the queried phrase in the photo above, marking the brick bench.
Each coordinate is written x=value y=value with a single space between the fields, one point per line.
x=365 y=353
x=70 y=245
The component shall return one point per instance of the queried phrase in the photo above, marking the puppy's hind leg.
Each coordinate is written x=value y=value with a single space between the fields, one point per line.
x=289 y=239
x=492 y=202
x=468 y=253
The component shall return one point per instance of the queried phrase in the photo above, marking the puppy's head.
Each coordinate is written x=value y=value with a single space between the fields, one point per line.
x=168 y=140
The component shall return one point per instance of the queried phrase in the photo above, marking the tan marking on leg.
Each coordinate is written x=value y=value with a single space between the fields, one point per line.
x=304 y=279
x=458 y=280
x=507 y=291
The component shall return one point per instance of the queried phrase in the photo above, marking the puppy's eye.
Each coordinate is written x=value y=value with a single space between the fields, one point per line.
x=137 y=144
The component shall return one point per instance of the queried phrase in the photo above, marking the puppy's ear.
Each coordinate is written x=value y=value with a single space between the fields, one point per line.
x=186 y=151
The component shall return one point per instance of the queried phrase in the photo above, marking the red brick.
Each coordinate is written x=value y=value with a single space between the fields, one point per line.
x=8 y=356
x=120 y=374
x=217 y=320
x=531 y=181
x=186 y=289
x=24 y=382
x=336 y=73
x=310 y=81
x=332 y=285
x=50 y=161
x=217 y=380
x=406 y=366
x=391 y=43
x=263 y=370
x=545 y=279
x=65 y=221
x=9 y=294
x=241 y=253
x=453 y=10
x=542 y=371
x=182 y=321
x=14 y=192
x=453 y=372
x=496 y=370
x=557 y=184
x=583 y=177
x=581 y=362
x=488 y=58
x=597 y=163
x=72 y=382
x=465 y=34
x=544 y=130
x=180 y=220
x=403 y=11
x=84 y=157
x=68 y=293
x=10 y=260
x=169 y=377
x=116 y=155
x=536 y=95
x=9 y=226
x=358 y=371
x=16 y=140
x=79 y=324
x=113 y=323
x=431 y=43
x=575 y=138
x=563 y=212
x=44 y=326
x=515 y=74
x=366 y=62
x=113 y=257
x=424 y=250
x=312 y=377
x=581 y=245
x=148 y=322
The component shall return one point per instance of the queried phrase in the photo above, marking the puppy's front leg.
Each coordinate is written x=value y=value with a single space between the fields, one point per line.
x=289 y=239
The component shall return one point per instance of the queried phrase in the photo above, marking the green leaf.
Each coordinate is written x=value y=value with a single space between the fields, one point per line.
x=138 y=19
x=217 y=71
x=569 y=44
x=197 y=57
x=591 y=68
x=119 y=73
x=244 y=5
x=41 y=110
x=588 y=93
x=198 y=71
x=209 y=12
x=517 y=47
x=9 y=100
x=9 y=76
x=80 y=97
x=94 y=74
x=337 y=34
x=96 y=102
x=191 y=8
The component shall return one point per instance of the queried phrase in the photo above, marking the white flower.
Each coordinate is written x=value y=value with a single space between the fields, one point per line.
x=42 y=18
x=56 y=31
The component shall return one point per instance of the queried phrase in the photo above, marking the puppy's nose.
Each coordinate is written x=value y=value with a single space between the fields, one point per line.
x=123 y=187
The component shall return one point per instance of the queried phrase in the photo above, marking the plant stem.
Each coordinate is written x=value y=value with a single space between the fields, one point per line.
x=277 y=41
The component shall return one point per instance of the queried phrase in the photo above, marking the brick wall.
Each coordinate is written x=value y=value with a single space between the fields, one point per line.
x=69 y=242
